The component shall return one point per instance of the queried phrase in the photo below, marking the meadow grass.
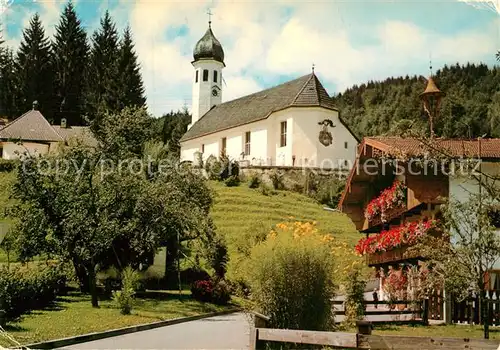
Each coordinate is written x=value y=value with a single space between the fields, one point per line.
x=241 y=208
x=73 y=315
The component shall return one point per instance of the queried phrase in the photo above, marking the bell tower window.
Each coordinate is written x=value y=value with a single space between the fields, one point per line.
x=215 y=76
x=205 y=75
x=196 y=76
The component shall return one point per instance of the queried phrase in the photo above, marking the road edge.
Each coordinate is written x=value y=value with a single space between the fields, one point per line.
x=58 y=343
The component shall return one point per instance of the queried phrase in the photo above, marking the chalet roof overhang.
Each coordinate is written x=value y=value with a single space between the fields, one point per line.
x=405 y=149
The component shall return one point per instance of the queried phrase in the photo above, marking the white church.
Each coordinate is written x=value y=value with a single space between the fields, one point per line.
x=294 y=124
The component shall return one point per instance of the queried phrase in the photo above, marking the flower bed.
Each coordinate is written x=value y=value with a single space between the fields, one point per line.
x=390 y=198
x=403 y=235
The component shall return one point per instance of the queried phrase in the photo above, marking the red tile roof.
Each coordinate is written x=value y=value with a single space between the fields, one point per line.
x=490 y=148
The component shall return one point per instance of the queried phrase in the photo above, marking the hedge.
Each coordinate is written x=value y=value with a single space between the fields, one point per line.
x=8 y=165
x=23 y=291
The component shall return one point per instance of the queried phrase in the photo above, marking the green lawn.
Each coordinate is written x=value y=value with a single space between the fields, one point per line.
x=240 y=208
x=73 y=315
x=448 y=331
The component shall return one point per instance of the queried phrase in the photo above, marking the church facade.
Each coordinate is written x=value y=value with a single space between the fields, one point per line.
x=293 y=124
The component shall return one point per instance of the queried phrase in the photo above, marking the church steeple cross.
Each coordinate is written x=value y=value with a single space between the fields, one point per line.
x=209 y=13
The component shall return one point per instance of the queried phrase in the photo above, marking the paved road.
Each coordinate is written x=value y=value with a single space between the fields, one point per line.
x=220 y=332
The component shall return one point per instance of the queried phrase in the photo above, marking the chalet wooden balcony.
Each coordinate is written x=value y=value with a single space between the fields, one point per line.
x=392 y=256
x=389 y=215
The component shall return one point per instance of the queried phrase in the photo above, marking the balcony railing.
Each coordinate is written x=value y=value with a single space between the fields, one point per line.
x=393 y=255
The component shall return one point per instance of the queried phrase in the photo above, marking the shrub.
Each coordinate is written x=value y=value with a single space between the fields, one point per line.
x=7 y=165
x=354 y=291
x=217 y=256
x=23 y=291
x=124 y=298
x=254 y=181
x=232 y=181
x=229 y=168
x=277 y=179
x=291 y=279
x=221 y=294
x=213 y=168
x=202 y=290
x=208 y=291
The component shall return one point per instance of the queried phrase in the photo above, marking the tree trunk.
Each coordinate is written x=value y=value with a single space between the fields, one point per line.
x=83 y=278
x=170 y=263
x=92 y=284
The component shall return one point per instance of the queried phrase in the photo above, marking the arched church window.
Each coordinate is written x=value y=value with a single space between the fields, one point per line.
x=196 y=77
x=215 y=76
x=205 y=75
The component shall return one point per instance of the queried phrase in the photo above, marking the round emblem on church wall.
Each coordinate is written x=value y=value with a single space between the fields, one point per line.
x=325 y=136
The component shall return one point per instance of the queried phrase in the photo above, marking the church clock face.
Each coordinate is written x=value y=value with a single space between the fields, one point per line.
x=215 y=93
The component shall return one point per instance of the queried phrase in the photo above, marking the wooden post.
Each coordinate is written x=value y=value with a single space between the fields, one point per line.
x=364 y=327
x=425 y=312
x=259 y=321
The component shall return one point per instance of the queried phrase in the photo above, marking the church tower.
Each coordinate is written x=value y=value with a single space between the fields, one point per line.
x=207 y=79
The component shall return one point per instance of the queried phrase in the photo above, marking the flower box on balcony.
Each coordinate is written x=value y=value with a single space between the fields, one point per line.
x=392 y=198
x=393 y=255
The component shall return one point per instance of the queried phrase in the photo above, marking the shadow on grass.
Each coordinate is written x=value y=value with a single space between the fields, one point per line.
x=12 y=328
x=163 y=295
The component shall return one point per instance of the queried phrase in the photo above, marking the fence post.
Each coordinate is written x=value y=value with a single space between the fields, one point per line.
x=364 y=327
x=425 y=312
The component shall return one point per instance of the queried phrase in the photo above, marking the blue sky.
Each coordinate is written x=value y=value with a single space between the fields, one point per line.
x=269 y=42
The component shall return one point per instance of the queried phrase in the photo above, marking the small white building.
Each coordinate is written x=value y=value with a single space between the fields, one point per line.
x=32 y=134
x=292 y=124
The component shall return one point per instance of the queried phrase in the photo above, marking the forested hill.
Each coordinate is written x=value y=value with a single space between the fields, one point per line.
x=471 y=107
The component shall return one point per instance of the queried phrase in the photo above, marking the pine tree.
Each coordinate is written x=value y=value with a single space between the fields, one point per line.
x=34 y=69
x=130 y=82
x=102 y=83
x=8 y=90
x=71 y=52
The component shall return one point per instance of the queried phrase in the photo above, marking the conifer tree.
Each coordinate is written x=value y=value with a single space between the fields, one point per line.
x=130 y=82
x=8 y=91
x=71 y=51
x=102 y=83
x=34 y=69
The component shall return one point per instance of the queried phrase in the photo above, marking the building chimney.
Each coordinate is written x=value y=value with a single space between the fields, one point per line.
x=63 y=123
x=35 y=105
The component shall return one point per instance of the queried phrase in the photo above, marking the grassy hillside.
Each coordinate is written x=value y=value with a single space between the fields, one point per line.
x=239 y=209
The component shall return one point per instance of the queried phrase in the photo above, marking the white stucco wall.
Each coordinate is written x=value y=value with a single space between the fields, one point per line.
x=302 y=140
x=461 y=187
x=308 y=149
x=235 y=143
x=14 y=151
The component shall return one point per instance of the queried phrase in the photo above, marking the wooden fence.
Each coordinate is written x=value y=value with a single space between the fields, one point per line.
x=343 y=340
x=402 y=311
x=469 y=310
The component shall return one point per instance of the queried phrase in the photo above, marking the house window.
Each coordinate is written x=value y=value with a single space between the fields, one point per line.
x=346 y=163
x=205 y=75
x=345 y=145
x=283 y=134
x=1 y=151
x=223 y=145
x=247 y=143
x=203 y=148
x=215 y=76
x=196 y=76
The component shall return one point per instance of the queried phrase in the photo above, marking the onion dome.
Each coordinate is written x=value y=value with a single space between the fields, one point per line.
x=431 y=89
x=208 y=47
